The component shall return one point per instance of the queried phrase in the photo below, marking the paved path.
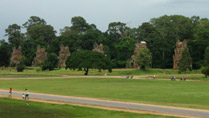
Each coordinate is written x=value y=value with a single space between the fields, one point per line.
x=116 y=104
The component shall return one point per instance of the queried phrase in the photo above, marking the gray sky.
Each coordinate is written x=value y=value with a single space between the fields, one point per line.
x=58 y=13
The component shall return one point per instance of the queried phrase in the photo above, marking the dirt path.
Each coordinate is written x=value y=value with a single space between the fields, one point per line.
x=115 y=105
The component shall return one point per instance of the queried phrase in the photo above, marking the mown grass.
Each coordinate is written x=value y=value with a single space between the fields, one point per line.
x=191 y=94
x=187 y=76
x=32 y=72
x=10 y=108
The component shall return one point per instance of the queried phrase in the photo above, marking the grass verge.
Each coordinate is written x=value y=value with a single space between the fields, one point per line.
x=11 y=108
x=191 y=94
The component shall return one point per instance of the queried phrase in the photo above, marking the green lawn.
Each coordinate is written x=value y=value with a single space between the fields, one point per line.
x=187 y=76
x=10 y=108
x=161 y=73
x=191 y=94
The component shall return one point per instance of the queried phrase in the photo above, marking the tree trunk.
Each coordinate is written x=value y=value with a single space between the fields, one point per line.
x=86 y=71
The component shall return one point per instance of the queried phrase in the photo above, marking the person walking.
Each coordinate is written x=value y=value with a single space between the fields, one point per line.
x=10 y=92
x=26 y=94
x=172 y=77
x=154 y=76
x=23 y=96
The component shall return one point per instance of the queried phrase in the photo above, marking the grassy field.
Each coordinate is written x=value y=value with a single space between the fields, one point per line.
x=161 y=73
x=191 y=94
x=10 y=108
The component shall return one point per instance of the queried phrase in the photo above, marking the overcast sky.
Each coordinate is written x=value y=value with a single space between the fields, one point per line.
x=58 y=13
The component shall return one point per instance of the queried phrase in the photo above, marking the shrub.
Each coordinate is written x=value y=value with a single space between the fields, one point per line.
x=51 y=62
x=205 y=71
x=38 y=69
x=13 y=64
x=20 y=67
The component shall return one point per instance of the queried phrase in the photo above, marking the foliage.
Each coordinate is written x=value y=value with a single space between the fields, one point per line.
x=186 y=61
x=124 y=51
x=54 y=46
x=205 y=67
x=37 y=29
x=118 y=30
x=15 y=37
x=34 y=20
x=199 y=43
x=116 y=36
x=51 y=62
x=81 y=35
x=41 y=32
x=144 y=58
x=79 y=25
x=206 y=58
x=29 y=50
x=160 y=34
x=85 y=60
x=21 y=66
x=205 y=70
x=38 y=69
x=5 y=52
x=13 y=64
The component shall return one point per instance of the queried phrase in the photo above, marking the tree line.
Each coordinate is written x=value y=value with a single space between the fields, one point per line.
x=161 y=35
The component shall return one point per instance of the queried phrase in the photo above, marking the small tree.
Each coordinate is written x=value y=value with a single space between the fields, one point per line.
x=85 y=60
x=185 y=62
x=206 y=58
x=205 y=67
x=144 y=58
x=205 y=70
x=21 y=66
x=51 y=62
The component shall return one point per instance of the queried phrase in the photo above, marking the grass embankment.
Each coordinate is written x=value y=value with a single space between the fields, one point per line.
x=191 y=94
x=10 y=108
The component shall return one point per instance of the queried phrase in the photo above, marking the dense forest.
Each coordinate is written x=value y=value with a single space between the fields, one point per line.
x=161 y=35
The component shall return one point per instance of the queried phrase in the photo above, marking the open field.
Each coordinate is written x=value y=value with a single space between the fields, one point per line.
x=191 y=94
x=161 y=73
x=11 y=108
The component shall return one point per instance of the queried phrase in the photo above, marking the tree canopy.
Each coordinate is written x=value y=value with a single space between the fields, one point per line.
x=15 y=37
x=144 y=58
x=160 y=34
x=185 y=62
x=51 y=62
x=34 y=20
x=205 y=67
x=5 y=53
x=41 y=32
x=85 y=60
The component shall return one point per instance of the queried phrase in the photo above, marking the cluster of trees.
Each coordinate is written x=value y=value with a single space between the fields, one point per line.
x=160 y=34
x=205 y=67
